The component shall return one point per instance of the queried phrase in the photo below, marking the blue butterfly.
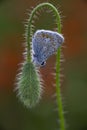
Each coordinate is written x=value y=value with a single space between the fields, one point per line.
x=44 y=44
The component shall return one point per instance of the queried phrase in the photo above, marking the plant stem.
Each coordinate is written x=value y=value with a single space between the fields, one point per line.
x=29 y=30
x=59 y=100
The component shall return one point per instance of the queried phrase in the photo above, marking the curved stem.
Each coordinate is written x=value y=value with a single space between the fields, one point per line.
x=59 y=100
x=29 y=32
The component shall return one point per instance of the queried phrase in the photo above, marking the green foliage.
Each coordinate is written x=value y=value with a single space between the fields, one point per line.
x=29 y=87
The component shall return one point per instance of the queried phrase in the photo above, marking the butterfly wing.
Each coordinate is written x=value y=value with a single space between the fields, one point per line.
x=45 y=43
x=37 y=47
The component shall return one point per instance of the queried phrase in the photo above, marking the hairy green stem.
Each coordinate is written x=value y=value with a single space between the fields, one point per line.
x=59 y=100
x=29 y=30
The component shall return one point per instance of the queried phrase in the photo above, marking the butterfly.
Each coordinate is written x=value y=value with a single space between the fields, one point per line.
x=44 y=44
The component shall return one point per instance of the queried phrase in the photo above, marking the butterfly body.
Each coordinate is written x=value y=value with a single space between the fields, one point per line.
x=44 y=44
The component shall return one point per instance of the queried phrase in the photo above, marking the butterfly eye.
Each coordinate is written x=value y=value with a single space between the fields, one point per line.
x=43 y=63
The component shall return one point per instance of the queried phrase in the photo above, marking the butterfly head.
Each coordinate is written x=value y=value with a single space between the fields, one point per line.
x=38 y=63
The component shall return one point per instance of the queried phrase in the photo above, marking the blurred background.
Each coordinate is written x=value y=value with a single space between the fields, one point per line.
x=13 y=115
